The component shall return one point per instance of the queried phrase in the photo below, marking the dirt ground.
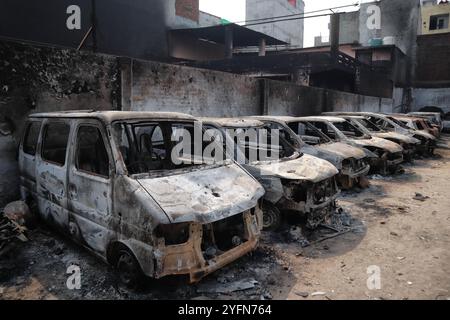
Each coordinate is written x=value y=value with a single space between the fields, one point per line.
x=405 y=239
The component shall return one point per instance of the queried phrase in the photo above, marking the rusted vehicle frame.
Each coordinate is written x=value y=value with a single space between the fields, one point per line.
x=387 y=123
x=428 y=140
x=347 y=159
x=300 y=183
x=435 y=119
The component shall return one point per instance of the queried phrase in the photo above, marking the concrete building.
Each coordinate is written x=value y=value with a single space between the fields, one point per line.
x=386 y=41
x=287 y=31
x=435 y=17
x=135 y=28
x=432 y=81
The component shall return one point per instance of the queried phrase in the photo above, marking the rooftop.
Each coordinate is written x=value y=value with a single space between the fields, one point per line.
x=233 y=122
x=322 y=118
x=242 y=36
x=111 y=116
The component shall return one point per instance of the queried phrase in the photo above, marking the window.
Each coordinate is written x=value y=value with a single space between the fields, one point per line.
x=31 y=138
x=439 y=22
x=348 y=129
x=381 y=123
x=369 y=125
x=148 y=147
x=55 y=143
x=420 y=126
x=325 y=129
x=307 y=131
x=91 y=156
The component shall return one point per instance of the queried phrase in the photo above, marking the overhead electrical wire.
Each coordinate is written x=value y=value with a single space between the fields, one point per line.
x=291 y=17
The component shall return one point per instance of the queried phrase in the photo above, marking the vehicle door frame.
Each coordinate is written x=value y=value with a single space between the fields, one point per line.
x=87 y=224
x=53 y=206
x=27 y=164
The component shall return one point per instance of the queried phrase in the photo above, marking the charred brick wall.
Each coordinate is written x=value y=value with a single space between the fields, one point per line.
x=290 y=99
x=200 y=92
x=36 y=79
x=39 y=79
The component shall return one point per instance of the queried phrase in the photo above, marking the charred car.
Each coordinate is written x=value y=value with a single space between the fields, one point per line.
x=407 y=142
x=388 y=154
x=418 y=123
x=426 y=144
x=110 y=181
x=294 y=182
x=350 y=161
x=428 y=140
x=434 y=117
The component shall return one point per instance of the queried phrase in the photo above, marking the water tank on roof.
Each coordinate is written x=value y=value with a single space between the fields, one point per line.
x=375 y=42
x=389 y=40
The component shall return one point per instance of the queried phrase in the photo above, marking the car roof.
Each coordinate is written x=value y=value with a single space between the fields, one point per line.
x=232 y=122
x=347 y=116
x=111 y=116
x=425 y=113
x=275 y=118
x=322 y=118
x=405 y=117
x=349 y=113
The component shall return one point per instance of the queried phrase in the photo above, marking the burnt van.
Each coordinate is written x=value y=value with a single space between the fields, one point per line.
x=109 y=181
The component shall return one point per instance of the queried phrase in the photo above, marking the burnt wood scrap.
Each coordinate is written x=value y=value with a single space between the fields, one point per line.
x=10 y=232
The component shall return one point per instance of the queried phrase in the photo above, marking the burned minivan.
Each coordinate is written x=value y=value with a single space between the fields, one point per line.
x=111 y=182
x=294 y=182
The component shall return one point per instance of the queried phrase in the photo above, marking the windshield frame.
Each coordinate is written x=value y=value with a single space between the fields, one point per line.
x=238 y=152
x=201 y=165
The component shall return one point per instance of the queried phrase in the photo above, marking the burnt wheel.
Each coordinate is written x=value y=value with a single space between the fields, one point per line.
x=271 y=217
x=128 y=270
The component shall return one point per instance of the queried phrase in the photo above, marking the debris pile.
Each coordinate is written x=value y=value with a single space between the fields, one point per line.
x=13 y=219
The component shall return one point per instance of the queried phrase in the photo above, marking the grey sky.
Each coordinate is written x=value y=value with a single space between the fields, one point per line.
x=234 y=10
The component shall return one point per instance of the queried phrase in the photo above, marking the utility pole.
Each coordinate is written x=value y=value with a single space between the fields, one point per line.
x=94 y=25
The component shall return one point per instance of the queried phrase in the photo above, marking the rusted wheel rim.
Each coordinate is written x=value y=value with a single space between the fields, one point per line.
x=271 y=217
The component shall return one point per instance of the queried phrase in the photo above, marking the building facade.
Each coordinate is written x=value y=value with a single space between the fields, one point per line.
x=435 y=17
x=287 y=31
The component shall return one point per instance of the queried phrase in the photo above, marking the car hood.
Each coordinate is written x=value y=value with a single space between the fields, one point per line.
x=397 y=136
x=344 y=150
x=425 y=134
x=205 y=195
x=378 y=143
x=334 y=158
x=305 y=168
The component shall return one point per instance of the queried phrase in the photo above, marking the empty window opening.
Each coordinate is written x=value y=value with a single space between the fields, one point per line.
x=55 y=140
x=91 y=156
x=31 y=138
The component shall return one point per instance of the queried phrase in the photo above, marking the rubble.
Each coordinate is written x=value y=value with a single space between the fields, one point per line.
x=18 y=212
x=10 y=231
x=420 y=197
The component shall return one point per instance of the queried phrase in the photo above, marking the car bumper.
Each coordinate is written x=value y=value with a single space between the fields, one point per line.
x=189 y=259
x=356 y=174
